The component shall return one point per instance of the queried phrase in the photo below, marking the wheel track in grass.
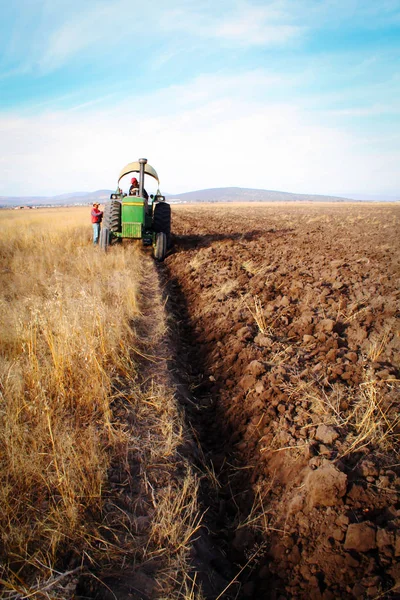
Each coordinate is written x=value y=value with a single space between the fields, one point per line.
x=136 y=486
x=152 y=475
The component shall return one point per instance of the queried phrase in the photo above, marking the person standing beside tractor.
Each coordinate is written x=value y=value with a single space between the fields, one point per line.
x=96 y=216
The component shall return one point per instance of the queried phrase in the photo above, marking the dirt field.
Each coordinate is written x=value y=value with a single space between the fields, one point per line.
x=286 y=319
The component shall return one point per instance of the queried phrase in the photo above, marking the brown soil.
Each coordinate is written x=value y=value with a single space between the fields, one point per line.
x=287 y=318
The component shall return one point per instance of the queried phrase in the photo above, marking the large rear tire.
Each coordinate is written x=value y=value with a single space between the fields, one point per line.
x=161 y=247
x=112 y=222
x=104 y=240
x=162 y=218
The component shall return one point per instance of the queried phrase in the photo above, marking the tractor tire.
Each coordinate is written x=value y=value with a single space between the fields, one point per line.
x=162 y=218
x=161 y=246
x=112 y=216
x=104 y=239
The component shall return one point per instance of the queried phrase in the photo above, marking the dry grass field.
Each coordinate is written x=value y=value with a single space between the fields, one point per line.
x=86 y=443
x=224 y=425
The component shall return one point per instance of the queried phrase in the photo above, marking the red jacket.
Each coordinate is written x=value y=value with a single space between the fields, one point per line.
x=96 y=215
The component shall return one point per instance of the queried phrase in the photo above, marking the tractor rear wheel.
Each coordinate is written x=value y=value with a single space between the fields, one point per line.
x=104 y=239
x=161 y=246
x=112 y=216
x=162 y=218
x=112 y=221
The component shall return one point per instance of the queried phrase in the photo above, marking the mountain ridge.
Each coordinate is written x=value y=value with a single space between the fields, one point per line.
x=237 y=194
x=224 y=194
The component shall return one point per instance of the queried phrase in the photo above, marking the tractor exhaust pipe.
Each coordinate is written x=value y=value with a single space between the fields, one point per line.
x=142 y=162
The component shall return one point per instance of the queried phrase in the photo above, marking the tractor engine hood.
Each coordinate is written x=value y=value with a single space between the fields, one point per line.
x=134 y=167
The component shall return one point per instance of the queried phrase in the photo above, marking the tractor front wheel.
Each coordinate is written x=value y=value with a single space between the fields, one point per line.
x=160 y=249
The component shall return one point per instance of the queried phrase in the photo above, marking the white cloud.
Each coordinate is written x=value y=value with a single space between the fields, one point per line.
x=92 y=25
x=258 y=26
x=370 y=110
x=198 y=135
x=46 y=35
x=239 y=24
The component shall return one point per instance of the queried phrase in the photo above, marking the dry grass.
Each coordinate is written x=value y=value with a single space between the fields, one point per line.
x=257 y=312
x=374 y=417
x=365 y=416
x=59 y=334
x=175 y=522
x=67 y=353
x=258 y=517
x=378 y=345
x=326 y=404
x=254 y=268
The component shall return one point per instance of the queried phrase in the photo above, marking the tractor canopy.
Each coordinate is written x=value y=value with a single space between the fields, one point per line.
x=134 y=167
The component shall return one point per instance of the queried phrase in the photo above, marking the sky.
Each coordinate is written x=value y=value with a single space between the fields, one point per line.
x=294 y=95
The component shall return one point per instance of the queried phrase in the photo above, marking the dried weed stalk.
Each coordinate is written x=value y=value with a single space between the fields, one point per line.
x=375 y=418
x=378 y=345
x=257 y=313
x=364 y=416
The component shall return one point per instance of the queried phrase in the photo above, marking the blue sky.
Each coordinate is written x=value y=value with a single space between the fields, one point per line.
x=292 y=95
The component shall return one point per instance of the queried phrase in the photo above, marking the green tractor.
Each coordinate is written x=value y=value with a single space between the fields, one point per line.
x=135 y=215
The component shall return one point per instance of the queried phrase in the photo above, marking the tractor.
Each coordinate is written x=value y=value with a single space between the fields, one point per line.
x=135 y=215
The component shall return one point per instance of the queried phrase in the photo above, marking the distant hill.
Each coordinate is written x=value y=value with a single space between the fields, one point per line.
x=237 y=194
x=226 y=194
x=375 y=198
x=100 y=196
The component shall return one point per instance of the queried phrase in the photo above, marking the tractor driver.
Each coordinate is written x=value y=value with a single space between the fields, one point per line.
x=135 y=186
